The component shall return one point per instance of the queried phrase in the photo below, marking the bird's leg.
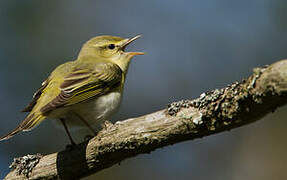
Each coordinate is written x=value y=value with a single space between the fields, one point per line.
x=87 y=124
x=67 y=131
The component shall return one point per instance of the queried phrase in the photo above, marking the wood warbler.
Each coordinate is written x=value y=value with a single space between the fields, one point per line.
x=84 y=92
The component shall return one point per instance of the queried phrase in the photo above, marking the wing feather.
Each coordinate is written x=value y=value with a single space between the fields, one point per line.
x=83 y=84
x=36 y=96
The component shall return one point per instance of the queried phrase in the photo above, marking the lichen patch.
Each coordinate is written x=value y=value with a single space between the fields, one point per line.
x=24 y=165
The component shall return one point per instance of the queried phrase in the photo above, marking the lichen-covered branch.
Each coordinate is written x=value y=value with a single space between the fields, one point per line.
x=216 y=111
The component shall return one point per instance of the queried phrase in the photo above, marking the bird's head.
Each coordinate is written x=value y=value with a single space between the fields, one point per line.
x=111 y=48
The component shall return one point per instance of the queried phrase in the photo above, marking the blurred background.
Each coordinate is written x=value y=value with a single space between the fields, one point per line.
x=191 y=46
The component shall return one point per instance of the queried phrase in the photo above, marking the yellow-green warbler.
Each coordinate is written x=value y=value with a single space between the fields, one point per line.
x=84 y=92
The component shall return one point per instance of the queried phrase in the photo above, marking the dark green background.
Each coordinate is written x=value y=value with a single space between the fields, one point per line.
x=191 y=46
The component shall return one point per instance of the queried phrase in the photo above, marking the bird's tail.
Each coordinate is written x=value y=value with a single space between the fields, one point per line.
x=31 y=121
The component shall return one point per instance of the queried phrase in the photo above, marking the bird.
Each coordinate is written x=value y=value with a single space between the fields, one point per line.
x=84 y=92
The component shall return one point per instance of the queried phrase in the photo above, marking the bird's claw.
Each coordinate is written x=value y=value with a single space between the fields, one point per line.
x=107 y=124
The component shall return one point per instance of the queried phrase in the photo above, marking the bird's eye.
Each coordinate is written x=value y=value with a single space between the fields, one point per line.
x=111 y=46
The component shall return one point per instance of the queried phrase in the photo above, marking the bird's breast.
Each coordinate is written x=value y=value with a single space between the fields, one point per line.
x=97 y=110
x=94 y=111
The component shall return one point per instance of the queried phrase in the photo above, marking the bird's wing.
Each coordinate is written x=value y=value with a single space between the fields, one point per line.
x=36 y=96
x=84 y=83
x=66 y=87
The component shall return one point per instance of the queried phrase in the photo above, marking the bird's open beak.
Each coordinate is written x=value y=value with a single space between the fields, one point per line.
x=127 y=42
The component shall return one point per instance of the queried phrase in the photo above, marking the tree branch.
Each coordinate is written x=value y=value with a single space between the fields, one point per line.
x=222 y=109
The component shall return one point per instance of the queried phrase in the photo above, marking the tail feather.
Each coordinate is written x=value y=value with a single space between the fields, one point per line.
x=31 y=121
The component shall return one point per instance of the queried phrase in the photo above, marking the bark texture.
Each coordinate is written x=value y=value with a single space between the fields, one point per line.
x=219 y=110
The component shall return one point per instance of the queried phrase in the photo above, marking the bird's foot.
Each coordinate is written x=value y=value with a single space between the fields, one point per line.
x=70 y=147
x=107 y=124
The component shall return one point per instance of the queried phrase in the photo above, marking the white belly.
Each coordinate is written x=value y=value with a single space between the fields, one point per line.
x=94 y=111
